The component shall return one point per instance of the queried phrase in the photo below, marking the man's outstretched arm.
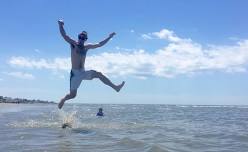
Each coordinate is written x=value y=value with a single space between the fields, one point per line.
x=93 y=46
x=62 y=32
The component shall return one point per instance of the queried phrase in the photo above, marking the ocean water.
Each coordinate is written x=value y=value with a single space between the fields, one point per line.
x=124 y=128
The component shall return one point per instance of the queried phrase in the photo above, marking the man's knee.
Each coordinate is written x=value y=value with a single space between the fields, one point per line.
x=73 y=94
x=97 y=74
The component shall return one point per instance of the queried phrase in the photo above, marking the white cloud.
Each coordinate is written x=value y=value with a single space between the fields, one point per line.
x=55 y=64
x=20 y=75
x=132 y=31
x=124 y=49
x=146 y=36
x=167 y=35
x=179 y=57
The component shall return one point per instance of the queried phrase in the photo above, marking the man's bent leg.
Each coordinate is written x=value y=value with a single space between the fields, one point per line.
x=106 y=81
x=69 y=96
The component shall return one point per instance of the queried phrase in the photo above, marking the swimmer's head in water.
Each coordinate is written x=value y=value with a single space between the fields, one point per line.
x=82 y=36
x=100 y=113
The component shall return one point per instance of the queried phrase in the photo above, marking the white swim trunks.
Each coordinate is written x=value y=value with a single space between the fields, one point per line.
x=77 y=75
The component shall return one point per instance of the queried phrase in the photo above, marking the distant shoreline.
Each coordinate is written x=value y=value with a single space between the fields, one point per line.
x=23 y=101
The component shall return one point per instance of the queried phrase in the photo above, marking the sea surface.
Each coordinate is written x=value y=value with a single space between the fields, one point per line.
x=124 y=128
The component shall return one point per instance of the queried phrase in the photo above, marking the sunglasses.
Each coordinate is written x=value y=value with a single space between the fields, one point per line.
x=82 y=37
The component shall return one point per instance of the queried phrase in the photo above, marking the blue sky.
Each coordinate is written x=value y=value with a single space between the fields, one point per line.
x=169 y=52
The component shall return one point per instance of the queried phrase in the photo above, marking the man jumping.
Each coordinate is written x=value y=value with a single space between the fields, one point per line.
x=78 y=54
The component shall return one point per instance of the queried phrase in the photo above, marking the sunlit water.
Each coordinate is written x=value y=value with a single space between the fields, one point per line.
x=124 y=128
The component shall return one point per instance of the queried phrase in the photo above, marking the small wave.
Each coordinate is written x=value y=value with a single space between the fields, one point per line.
x=82 y=131
x=139 y=145
x=240 y=138
x=47 y=121
x=131 y=143
x=211 y=106
x=215 y=106
x=34 y=124
x=156 y=148
x=56 y=118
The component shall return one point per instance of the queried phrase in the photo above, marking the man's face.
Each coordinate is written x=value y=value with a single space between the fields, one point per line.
x=82 y=37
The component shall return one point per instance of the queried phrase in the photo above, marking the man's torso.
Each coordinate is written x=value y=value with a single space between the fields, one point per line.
x=78 y=55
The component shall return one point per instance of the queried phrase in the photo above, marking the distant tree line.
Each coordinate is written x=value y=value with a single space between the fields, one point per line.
x=20 y=100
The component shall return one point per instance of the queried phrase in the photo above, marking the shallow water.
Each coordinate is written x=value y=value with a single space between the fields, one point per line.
x=124 y=128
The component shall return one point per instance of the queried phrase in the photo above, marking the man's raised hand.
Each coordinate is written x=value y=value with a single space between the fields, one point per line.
x=61 y=22
x=112 y=34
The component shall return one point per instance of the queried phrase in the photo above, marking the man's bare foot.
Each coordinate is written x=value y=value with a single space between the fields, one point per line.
x=66 y=125
x=61 y=103
x=118 y=88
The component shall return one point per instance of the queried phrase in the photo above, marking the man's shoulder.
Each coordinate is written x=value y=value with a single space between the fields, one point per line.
x=91 y=46
x=88 y=43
